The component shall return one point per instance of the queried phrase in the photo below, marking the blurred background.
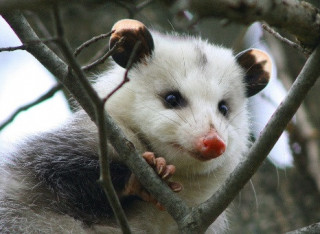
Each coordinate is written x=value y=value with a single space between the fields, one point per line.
x=283 y=195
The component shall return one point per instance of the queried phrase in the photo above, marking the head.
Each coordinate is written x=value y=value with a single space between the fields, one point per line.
x=187 y=99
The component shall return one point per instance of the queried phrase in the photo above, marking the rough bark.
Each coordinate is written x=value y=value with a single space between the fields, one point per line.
x=59 y=69
x=297 y=17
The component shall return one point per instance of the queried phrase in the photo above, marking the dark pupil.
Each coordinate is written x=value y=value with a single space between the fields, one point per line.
x=223 y=108
x=172 y=100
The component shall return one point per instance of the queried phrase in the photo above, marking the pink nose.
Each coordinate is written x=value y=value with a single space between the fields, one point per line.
x=210 y=146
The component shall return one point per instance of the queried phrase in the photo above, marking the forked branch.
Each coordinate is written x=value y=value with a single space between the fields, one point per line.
x=199 y=218
x=146 y=175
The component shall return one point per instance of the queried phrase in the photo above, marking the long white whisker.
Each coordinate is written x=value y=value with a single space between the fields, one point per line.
x=255 y=194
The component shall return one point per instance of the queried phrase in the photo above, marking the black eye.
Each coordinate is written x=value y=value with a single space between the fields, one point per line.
x=174 y=100
x=223 y=108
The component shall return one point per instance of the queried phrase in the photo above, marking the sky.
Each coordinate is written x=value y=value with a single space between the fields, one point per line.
x=22 y=80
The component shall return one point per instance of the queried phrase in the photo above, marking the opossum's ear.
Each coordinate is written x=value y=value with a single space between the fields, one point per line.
x=257 y=66
x=132 y=32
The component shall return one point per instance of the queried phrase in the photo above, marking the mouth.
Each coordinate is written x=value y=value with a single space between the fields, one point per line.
x=194 y=154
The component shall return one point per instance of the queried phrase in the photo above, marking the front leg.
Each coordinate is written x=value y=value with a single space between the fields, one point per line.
x=165 y=172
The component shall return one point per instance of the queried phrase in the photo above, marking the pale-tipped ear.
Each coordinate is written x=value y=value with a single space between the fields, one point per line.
x=257 y=66
x=132 y=31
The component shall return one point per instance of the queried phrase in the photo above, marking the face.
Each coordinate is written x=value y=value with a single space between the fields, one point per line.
x=189 y=104
x=186 y=99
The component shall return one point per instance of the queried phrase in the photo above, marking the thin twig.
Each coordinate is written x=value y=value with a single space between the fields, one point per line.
x=104 y=57
x=39 y=25
x=132 y=8
x=125 y=5
x=285 y=40
x=105 y=177
x=48 y=59
x=42 y=98
x=25 y=45
x=100 y=53
x=91 y=41
x=41 y=28
x=125 y=77
x=13 y=48
x=145 y=174
x=142 y=5
x=133 y=160
x=65 y=49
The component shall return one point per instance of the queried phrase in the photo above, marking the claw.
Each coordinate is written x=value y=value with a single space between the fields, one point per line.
x=150 y=158
x=160 y=169
x=175 y=186
x=164 y=171
x=160 y=165
x=170 y=170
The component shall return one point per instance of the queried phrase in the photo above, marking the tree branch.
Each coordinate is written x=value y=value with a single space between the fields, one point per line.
x=284 y=40
x=125 y=77
x=91 y=41
x=48 y=58
x=25 y=45
x=13 y=48
x=101 y=60
x=297 y=17
x=199 y=218
x=105 y=177
x=44 y=97
x=312 y=229
x=208 y=211
x=145 y=174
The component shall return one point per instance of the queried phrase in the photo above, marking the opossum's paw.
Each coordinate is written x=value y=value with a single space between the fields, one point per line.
x=164 y=171
x=160 y=165
x=133 y=187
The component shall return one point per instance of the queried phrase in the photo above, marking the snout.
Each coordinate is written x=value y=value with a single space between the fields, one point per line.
x=210 y=146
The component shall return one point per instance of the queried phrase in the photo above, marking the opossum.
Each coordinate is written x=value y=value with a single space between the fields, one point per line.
x=185 y=111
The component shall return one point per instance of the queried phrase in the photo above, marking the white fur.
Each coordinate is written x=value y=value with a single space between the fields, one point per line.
x=137 y=107
x=174 y=66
